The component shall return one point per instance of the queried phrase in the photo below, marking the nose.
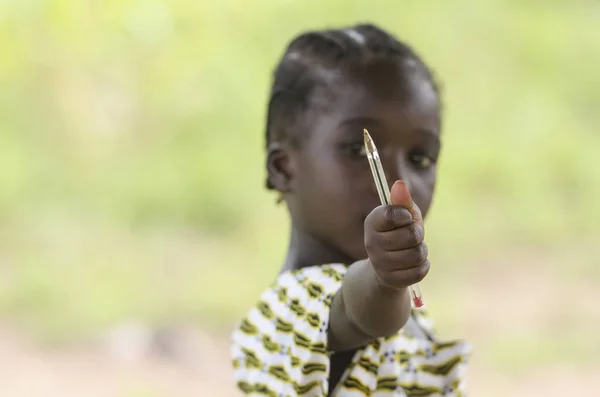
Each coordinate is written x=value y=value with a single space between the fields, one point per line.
x=394 y=167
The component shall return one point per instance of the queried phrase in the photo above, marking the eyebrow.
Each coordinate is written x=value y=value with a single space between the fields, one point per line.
x=365 y=122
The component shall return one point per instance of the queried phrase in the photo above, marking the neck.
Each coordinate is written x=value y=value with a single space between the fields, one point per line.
x=306 y=250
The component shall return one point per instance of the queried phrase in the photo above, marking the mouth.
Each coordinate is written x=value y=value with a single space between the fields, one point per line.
x=364 y=218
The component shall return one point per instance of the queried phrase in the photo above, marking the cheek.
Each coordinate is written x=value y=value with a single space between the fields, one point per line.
x=332 y=194
x=422 y=189
x=332 y=175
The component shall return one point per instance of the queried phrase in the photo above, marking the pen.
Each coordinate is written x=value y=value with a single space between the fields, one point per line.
x=384 y=195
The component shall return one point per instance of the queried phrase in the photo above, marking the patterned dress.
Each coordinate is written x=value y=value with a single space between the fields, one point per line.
x=280 y=347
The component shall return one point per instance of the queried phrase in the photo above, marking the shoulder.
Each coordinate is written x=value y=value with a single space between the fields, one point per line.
x=295 y=294
x=332 y=274
x=282 y=339
x=413 y=360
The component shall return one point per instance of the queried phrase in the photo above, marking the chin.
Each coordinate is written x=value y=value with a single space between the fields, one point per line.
x=358 y=253
x=353 y=246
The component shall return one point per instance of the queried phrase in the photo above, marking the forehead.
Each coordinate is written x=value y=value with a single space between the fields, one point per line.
x=394 y=92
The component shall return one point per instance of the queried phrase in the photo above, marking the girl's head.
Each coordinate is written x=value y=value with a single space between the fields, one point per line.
x=328 y=86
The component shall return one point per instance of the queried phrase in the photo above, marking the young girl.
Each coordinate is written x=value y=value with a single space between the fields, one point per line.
x=338 y=319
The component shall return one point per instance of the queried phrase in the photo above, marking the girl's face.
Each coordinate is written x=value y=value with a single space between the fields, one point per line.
x=332 y=188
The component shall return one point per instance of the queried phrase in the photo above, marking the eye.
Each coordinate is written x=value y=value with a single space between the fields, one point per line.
x=421 y=160
x=356 y=149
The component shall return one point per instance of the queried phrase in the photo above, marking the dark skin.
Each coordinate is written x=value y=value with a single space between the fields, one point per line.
x=335 y=210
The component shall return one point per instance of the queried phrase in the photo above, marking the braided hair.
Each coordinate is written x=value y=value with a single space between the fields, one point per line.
x=306 y=58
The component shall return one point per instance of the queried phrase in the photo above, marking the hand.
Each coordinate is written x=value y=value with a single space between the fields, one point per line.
x=394 y=240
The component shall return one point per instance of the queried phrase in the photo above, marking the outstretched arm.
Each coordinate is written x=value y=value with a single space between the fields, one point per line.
x=373 y=300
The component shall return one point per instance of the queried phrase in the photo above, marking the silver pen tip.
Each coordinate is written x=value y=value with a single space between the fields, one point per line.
x=368 y=141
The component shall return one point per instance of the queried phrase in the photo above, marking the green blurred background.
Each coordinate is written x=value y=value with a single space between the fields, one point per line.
x=131 y=186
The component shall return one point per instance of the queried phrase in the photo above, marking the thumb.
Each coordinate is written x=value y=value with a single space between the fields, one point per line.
x=401 y=197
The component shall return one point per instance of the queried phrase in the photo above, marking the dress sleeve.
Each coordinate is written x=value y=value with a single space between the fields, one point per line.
x=280 y=347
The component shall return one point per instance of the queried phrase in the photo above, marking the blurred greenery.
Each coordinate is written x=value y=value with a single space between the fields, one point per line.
x=131 y=151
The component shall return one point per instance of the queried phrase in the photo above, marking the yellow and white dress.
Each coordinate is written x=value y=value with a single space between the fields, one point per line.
x=280 y=347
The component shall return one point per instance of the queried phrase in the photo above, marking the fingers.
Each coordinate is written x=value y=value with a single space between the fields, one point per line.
x=401 y=197
x=390 y=261
x=404 y=277
x=387 y=217
x=402 y=238
x=394 y=240
x=402 y=212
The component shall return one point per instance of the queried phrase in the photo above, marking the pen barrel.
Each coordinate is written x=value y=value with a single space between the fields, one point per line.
x=380 y=180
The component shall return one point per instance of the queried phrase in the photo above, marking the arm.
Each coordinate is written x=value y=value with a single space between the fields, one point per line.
x=373 y=300
x=364 y=309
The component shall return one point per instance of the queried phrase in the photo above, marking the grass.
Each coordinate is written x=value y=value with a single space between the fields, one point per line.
x=131 y=151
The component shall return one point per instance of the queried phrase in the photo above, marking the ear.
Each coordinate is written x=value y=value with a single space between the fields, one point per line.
x=280 y=169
